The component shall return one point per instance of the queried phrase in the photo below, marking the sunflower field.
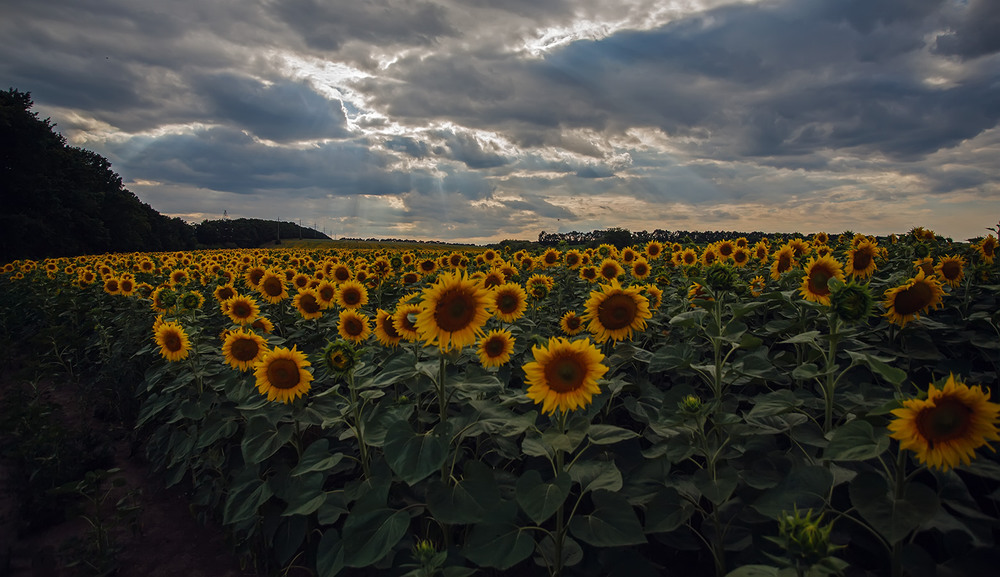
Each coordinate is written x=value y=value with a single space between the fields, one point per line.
x=796 y=406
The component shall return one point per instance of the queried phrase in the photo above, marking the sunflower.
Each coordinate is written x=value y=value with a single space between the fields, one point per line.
x=725 y=249
x=111 y=286
x=223 y=293
x=242 y=349
x=404 y=320
x=508 y=302
x=300 y=281
x=570 y=323
x=253 y=275
x=925 y=264
x=861 y=260
x=641 y=269
x=126 y=286
x=799 y=247
x=539 y=286
x=326 y=293
x=653 y=250
x=455 y=310
x=987 y=249
x=696 y=292
x=242 y=310
x=610 y=269
x=354 y=326
x=341 y=273
x=191 y=300
x=179 y=277
x=262 y=324
x=819 y=271
x=308 y=304
x=761 y=251
x=628 y=255
x=272 y=287
x=654 y=294
x=352 y=295
x=951 y=270
x=564 y=374
x=551 y=257
x=614 y=312
x=385 y=329
x=173 y=341
x=757 y=285
x=945 y=429
x=917 y=295
x=281 y=374
x=741 y=257
x=495 y=348
x=709 y=255
x=687 y=257
x=784 y=261
x=589 y=274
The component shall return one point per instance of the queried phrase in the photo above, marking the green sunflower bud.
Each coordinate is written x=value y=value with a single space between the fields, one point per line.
x=920 y=250
x=851 y=302
x=690 y=404
x=720 y=277
x=806 y=542
x=340 y=356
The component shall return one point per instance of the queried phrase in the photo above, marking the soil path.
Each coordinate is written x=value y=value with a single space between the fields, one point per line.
x=166 y=541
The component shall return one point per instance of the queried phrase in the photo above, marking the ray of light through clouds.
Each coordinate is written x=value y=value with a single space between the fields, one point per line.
x=481 y=120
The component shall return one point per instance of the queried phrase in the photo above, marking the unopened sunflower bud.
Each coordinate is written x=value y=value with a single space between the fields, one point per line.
x=690 y=404
x=851 y=302
x=340 y=356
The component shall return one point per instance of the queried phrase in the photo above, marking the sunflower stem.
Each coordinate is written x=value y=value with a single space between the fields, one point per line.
x=899 y=487
x=442 y=397
x=831 y=366
x=560 y=533
x=359 y=431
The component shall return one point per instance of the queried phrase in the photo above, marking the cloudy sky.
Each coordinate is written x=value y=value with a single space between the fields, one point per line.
x=488 y=119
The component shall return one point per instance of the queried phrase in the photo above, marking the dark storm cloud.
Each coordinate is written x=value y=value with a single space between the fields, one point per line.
x=280 y=111
x=468 y=149
x=975 y=33
x=328 y=25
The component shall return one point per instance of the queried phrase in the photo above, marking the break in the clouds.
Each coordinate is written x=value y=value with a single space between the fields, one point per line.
x=476 y=120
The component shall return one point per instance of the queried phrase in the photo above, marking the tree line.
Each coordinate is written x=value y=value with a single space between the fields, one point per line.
x=622 y=237
x=58 y=200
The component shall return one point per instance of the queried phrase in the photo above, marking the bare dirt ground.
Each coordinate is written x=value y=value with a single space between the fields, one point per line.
x=165 y=541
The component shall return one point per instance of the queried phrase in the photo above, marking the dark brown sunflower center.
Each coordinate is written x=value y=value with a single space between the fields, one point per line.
x=351 y=297
x=493 y=279
x=226 y=293
x=913 y=299
x=640 y=269
x=726 y=250
x=565 y=373
x=326 y=293
x=256 y=275
x=948 y=419
x=244 y=350
x=740 y=257
x=494 y=347
x=784 y=262
x=283 y=373
x=427 y=265
x=342 y=274
x=507 y=303
x=272 y=286
x=609 y=271
x=454 y=311
x=573 y=323
x=389 y=328
x=617 y=311
x=862 y=259
x=112 y=285
x=572 y=260
x=819 y=278
x=172 y=341
x=689 y=258
x=709 y=257
x=353 y=326
x=951 y=269
x=309 y=304
x=241 y=309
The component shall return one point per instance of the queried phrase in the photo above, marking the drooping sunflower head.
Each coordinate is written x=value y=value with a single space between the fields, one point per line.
x=925 y=264
x=191 y=300
x=454 y=311
x=614 y=312
x=757 y=285
x=495 y=348
x=173 y=341
x=720 y=277
x=281 y=374
x=243 y=349
x=564 y=375
x=914 y=297
x=508 y=302
x=951 y=269
x=539 y=286
x=815 y=282
x=654 y=294
x=946 y=428
x=851 y=302
x=589 y=274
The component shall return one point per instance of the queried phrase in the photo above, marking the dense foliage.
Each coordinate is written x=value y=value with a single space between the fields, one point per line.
x=819 y=406
x=249 y=232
